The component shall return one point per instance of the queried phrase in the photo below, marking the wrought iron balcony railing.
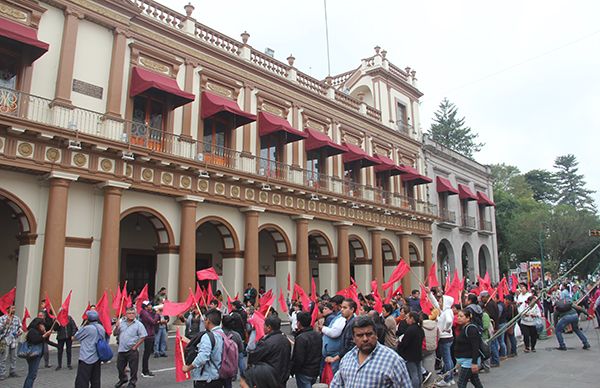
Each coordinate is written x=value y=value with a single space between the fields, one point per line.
x=447 y=216
x=468 y=222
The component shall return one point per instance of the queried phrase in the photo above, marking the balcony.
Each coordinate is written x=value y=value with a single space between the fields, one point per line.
x=485 y=228
x=140 y=140
x=468 y=224
x=407 y=129
x=447 y=219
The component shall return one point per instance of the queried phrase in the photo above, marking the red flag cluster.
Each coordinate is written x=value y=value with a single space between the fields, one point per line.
x=399 y=272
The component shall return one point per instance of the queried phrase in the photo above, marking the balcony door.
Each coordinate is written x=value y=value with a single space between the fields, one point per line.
x=149 y=113
x=216 y=141
x=271 y=155
x=9 y=70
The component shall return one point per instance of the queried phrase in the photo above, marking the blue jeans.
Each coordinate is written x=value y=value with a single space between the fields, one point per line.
x=571 y=319
x=160 y=341
x=444 y=345
x=494 y=356
x=34 y=365
x=241 y=363
x=303 y=381
x=415 y=373
x=501 y=340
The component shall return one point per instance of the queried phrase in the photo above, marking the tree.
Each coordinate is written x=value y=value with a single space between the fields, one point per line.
x=451 y=131
x=571 y=186
x=543 y=185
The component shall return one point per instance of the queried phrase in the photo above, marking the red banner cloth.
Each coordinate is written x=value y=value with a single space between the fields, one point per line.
x=303 y=297
x=432 y=280
x=24 y=321
x=7 y=300
x=180 y=345
x=49 y=308
x=174 y=309
x=207 y=274
x=141 y=298
x=257 y=321
x=103 y=310
x=426 y=305
x=63 y=315
x=399 y=272
x=282 y=303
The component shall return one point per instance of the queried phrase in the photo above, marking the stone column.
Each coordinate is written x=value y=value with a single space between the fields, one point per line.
x=343 y=254
x=405 y=255
x=64 y=78
x=53 y=258
x=251 y=259
x=187 y=245
x=115 y=80
x=427 y=257
x=302 y=261
x=186 y=127
x=108 y=263
x=377 y=256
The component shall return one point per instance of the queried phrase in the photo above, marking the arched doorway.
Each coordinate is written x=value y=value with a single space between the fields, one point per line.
x=445 y=260
x=144 y=235
x=319 y=250
x=484 y=260
x=468 y=263
x=275 y=261
x=360 y=264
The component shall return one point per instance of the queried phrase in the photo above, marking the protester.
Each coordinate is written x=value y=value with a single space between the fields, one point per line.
x=149 y=319
x=414 y=301
x=491 y=308
x=444 y=322
x=10 y=330
x=88 y=368
x=194 y=323
x=528 y=325
x=511 y=313
x=160 y=297
x=432 y=335
x=385 y=367
x=391 y=340
x=131 y=334
x=306 y=357
x=64 y=337
x=332 y=332
x=250 y=295
x=348 y=310
x=227 y=324
x=274 y=349
x=502 y=311
x=569 y=315
x=411 y=347
x=466 y=350
x=160 y=339
x=261 y=375
x=379 y=325
x=205 y=367
x=36 y=336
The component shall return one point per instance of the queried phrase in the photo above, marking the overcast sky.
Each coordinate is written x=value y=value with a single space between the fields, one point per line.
x=525 y=74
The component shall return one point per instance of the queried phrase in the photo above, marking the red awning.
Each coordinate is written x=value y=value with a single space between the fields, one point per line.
x=413 y=176
x=464 y=192
x=215 y=105
x=444 y=186
x=484 y=200
x=318 y=140
x=357 y=154
x=24 y=35
x=143 y=80
x=269 y=124
x=388 y=164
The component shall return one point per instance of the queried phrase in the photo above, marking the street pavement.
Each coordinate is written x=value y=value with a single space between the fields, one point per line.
x=548 y=368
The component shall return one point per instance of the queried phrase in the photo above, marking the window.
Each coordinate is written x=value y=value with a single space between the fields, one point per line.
x=313 y=172
x=270 y=155
x=401 y=119
x=215 y=141
x=148 y=122
x=351 y=181
x=9 y=69
x=413 y=254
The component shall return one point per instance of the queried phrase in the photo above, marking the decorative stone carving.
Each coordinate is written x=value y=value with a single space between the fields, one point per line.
x=147 y=174
x=52 y=154
x=219 y=188
x=167 y=179
x=79 y=159
x=106 y=165
x=203 y=185
x=25 y=149
x=186 y=182
x=155 y=66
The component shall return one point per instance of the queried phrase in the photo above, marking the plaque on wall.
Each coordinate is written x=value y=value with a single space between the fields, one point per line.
x=87 y=89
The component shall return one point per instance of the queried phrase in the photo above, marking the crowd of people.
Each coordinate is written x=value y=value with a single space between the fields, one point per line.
x=346 y=342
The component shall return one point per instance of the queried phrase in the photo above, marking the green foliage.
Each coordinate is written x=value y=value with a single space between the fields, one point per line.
x=451 y=131
x=543 y=185
x=571 y=186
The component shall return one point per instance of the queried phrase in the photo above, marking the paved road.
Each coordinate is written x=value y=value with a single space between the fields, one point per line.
x=548 y=368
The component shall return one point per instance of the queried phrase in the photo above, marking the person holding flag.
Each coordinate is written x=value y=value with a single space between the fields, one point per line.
x=149 y=319
x=10 y=330
x=64 y=336
x=131 y=333
x=88 y=368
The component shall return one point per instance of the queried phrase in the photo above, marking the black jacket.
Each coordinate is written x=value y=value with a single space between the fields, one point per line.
x=347 y=338
x=411 y=346
x=273 y=349
x=492 y=309
x=466 y=345
x=66 y=332
x=306 y=359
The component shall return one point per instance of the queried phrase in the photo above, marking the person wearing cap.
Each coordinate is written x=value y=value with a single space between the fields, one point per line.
x=160 y=340
x=149 y=319
x=131 y=333
x=88 y=369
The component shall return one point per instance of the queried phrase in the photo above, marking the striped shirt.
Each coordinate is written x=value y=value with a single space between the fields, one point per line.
x=382 y=368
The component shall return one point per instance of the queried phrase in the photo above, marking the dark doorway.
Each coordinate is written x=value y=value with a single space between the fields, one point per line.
x=138 y=267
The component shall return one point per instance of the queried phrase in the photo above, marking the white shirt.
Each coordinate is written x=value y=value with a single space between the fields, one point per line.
x=336 y=328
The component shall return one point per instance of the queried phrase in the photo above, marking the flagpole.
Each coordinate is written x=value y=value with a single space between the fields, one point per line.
x=122 y=300
x=196 y=303
x=187 y=375
x=224 y=289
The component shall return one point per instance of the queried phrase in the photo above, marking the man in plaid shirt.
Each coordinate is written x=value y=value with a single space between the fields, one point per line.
x=370 y=364
x=10 y=330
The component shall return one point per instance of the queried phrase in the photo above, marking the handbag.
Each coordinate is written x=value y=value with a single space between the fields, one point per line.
x=27 y=350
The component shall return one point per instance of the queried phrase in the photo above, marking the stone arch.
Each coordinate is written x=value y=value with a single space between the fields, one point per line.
x=367 y=94
x=22 y=213
x=229 y=238
x=484 y=260
x=413 y=253
x=280 y=238
x=322 y=242
x=164 y=232
x=467 y=262
x=445 y=259
x=388 y=252
x=358 y=248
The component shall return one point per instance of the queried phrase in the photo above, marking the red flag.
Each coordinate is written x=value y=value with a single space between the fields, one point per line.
x=180 y=344
x=258 y=323
x=314 y=315
x=514 y=283
x=141 y=298
x=84 y=315
x=209 y=294
x=378 y=304
x=63 y=315
x=103 y=310
x=48 y=307
x=399 y=272
x=7 y=300
x=116 y=301
x=426 y=305
x=454 y=289
x=282 y=303
x=229 y=305
x=399 y=290
x=303 y=297
x=313 y=290
x=432 y=279
x=265 y=301
x=24 y=321
x=207 y=274
x=486 y=279
x=289 y=283
x=199 y=295
x=447 y=284
x=388 y=298
x=174 y=309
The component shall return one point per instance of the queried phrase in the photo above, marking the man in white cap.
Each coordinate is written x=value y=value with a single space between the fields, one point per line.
x=88 y=369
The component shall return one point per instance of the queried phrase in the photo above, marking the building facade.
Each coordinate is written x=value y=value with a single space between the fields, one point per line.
x=464 y=235
x=139 y=144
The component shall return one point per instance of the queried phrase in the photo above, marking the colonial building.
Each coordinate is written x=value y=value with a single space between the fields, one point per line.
x=464 y=235
x=139 y=144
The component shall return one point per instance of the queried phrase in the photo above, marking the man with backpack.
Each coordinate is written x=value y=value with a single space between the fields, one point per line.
x=273 y=349
x=217 y=355
x=88 y=369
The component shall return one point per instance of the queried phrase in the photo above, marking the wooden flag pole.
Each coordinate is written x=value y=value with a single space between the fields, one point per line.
x=225 y=289
x=196 y=303
x=122 y=300
x=187 y=374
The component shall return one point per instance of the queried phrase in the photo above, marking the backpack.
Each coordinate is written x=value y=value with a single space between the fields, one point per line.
x=229 y=358
x=484 y=347
x=430 y=341
x=105 y=353
x=563 y=306
x=476 y=318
